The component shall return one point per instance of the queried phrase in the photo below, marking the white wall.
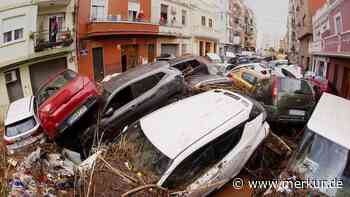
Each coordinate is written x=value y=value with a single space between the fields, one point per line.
x=22 y=48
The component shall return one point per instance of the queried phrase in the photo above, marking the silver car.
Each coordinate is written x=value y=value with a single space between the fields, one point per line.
x=22 y=127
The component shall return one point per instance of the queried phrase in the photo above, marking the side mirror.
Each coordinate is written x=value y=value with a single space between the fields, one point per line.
x=109 y=112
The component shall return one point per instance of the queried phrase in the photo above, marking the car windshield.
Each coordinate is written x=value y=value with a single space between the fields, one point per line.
x=294 y=86
x=321 y=159
x=20 y=127
x=143 y=156
x=54 y=86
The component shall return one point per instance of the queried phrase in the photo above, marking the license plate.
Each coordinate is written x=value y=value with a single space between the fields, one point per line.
x=77 y=115
x=295 y=112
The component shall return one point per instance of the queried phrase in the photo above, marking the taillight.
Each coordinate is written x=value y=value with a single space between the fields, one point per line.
x=274 y=89
x=229 y=75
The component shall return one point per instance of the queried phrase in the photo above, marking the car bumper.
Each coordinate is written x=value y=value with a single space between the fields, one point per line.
x=67 y=123
x=24 y=143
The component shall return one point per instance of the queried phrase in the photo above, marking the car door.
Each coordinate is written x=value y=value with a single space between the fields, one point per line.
x=131 y=102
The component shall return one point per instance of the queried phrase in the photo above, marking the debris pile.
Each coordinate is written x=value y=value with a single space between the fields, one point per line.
x=45 y=172
x=112 y=165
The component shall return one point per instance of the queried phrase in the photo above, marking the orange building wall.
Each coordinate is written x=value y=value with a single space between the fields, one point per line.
x=314 y=5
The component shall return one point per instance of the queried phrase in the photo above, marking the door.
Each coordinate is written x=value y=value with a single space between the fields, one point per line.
x=151 y=53
x=97 y=54
x=129 y=56
x=346 y=83
x=14 y=85
x=40 y=72
x=169 y=49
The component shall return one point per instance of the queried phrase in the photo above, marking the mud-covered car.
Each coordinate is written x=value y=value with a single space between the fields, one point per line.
x=246 y=79
x=201 y=83
x=63 y=101
x=286 y=100
x=135 y=93
x=323 y=156
x=198 y=144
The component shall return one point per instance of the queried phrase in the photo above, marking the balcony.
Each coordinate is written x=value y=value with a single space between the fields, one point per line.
x=47 y=3
x=315 y=46
x=115 y=26
x=303 y=31
x=45 y=40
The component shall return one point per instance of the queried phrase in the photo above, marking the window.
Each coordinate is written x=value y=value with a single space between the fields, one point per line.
x=199 y=162
x=55 y=85
x=8 y=36
x=97 y=9
x=183 y=19
x=293 y=86
x=20 y=127
x=133 y=91
x=249 y=78
x=163 y=14
x=210 y=23
x=12 y=29
x=133 y=10
x=203 y=21
x=338 y=24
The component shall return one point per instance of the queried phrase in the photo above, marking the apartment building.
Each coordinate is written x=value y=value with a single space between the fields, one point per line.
x=305 y=9
x=331 y=45
x=37 y=40
x=173 y=16
x=292 y=41
x=114 y=36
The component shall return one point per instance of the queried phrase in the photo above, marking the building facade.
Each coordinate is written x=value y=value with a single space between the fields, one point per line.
x=305 y=9
x=114 y=36
x=292 y=41
x=37 y=40
x=331 y=45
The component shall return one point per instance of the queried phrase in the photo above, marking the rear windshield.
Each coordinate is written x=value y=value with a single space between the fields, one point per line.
x=55 y=85
x=293 y=86
x=20 y=127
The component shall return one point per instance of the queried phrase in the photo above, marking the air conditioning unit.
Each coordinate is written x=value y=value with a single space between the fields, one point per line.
x=11 y=76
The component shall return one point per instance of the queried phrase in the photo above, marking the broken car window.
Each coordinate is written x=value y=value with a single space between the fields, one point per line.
x=142 y=154
x=321 y=159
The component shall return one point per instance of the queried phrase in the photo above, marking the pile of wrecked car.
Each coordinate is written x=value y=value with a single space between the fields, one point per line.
x=180 y=126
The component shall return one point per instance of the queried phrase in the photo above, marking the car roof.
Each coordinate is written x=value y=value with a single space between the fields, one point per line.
x=330 y=119
x=117 y=81
x=174 y=128
x=19 y=110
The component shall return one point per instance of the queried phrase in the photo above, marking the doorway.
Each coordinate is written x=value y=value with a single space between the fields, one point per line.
x=97 y=54
x=151 y=53
x=129 y=54
x=346 y=83
x=207 y=48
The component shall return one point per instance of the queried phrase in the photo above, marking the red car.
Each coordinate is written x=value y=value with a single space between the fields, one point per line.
x=63 y=100
x=321 y=85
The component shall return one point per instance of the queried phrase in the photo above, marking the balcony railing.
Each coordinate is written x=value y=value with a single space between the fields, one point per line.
x=116 y=25
x=118 y=19
x=45 y=39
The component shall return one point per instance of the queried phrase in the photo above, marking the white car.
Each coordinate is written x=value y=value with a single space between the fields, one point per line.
x=22 y=127
x=258 y=67
x=198 y=144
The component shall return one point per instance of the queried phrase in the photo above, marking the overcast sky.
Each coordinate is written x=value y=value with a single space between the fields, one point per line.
x=271 y=18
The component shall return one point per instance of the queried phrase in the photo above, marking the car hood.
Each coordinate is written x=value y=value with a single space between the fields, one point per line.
x=63 y=96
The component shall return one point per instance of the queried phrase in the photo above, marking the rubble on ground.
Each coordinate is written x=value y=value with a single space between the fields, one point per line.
x=47 y=171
